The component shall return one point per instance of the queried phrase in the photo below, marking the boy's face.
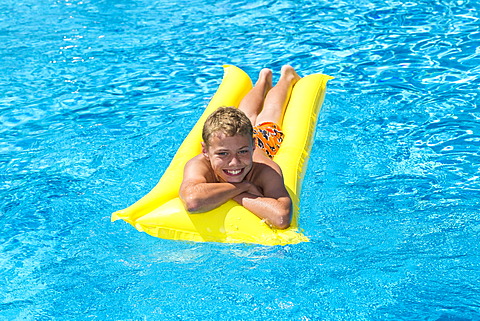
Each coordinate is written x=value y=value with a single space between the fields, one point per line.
x=231 y=157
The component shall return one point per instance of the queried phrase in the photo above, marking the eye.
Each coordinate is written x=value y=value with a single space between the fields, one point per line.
x=244 y=151
x=222 y=154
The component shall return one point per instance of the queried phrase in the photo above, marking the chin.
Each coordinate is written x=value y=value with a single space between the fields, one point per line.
x=234 y=179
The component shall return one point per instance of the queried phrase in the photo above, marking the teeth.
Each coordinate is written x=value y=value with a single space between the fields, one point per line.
x=236 y=172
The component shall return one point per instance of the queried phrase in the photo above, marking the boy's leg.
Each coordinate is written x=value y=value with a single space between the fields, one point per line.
x=252 y=103
x=277 y=98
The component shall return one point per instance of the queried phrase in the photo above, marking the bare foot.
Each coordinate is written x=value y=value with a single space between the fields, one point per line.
x=289 y=74
x=265 y=75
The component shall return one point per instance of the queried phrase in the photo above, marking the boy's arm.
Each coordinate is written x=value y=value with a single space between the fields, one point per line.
x=199 y=194
x=275 y=205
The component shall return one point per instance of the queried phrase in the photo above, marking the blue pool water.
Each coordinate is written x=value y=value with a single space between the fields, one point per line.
x=97 y=95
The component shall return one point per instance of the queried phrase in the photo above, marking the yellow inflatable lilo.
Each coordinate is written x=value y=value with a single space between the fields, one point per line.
x=161 y=213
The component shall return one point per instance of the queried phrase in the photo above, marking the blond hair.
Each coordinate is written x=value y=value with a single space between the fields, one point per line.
x=229 y=121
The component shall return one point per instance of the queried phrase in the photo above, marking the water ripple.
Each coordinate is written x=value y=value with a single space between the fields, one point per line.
x=95 y=97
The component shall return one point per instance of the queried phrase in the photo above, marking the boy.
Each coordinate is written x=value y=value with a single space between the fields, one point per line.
x=233 y=165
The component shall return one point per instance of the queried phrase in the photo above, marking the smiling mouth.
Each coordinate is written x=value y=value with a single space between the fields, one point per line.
x=233 y=172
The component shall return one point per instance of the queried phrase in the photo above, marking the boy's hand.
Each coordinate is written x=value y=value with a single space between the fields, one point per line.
x=250 y=188
x=255 y=190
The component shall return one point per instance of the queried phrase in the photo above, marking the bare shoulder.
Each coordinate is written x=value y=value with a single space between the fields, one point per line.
x=268 y=164
x=198 y=169
x=197 y=160
x=268 y=177
x=267 y=174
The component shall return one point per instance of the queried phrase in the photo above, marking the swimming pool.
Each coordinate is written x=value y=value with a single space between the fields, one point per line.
x=96 y=96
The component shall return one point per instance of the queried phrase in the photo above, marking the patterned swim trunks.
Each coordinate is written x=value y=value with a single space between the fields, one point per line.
x=269 y=137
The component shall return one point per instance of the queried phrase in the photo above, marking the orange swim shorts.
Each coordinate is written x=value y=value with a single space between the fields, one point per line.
x=269 y=137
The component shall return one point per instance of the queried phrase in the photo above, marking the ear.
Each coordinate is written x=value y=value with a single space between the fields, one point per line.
x=205 y=150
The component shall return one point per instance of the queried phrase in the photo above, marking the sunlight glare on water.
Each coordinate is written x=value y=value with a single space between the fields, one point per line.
x=97 y=95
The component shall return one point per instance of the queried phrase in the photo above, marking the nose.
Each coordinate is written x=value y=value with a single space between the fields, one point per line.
x=234 y=161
